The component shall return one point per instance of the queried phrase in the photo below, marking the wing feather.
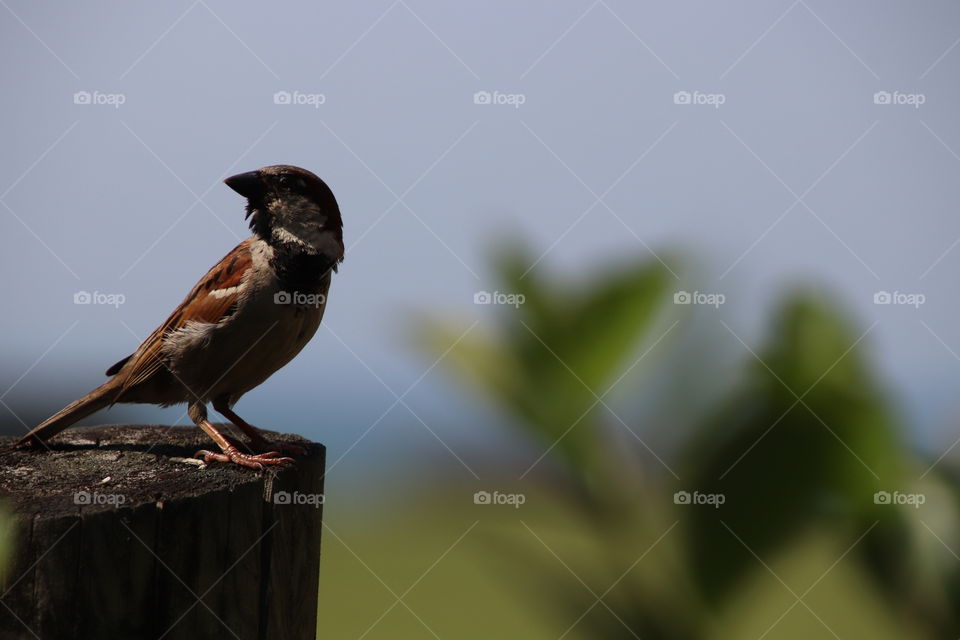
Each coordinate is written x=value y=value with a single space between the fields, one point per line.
x=209 y=302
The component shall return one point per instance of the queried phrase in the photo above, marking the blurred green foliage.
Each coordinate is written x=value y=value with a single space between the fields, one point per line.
x=774 y=515
x=556 y=352
x=7 y=541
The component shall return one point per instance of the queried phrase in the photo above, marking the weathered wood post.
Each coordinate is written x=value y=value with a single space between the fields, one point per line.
x=119 y=535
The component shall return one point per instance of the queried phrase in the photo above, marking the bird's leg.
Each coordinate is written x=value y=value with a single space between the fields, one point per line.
x=198 y=413
x=257 y=441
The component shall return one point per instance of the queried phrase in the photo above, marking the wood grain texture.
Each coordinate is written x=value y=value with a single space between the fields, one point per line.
x=155 y=547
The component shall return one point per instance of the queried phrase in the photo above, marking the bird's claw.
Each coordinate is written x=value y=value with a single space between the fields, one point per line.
x=252 y=461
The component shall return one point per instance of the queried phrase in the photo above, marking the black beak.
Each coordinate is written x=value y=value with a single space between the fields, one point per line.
x=248 y=184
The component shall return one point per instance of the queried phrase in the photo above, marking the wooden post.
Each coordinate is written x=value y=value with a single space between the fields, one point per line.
x=120 y=535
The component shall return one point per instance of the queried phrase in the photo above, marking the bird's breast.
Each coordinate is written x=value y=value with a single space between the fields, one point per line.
x=271 y=325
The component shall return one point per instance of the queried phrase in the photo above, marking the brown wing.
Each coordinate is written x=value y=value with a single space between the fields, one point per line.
x=209 y=302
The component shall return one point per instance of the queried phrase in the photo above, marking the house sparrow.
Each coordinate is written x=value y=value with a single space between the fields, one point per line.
x=247 y=317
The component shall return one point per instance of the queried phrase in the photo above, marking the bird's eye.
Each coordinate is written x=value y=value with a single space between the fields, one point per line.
x=286 y=182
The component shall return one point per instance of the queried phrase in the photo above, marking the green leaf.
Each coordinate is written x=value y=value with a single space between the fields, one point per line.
x=808 y=438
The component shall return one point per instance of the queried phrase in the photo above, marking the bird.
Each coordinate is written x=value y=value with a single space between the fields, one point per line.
x=245 y=319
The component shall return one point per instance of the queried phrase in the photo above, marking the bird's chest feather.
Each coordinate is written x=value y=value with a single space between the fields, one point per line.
x=273 y=321
x=268 y=330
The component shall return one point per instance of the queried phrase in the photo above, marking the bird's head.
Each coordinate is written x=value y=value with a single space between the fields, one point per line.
x=292 y=207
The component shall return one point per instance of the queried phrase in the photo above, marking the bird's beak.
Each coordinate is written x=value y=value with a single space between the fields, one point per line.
x=248 y=184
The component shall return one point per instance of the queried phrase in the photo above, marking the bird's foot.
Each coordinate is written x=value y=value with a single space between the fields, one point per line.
x=253 y=461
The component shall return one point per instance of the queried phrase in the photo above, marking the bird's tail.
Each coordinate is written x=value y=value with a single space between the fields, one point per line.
x=102 y=396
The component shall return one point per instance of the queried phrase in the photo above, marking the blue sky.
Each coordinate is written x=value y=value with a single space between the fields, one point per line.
x=776 y=141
